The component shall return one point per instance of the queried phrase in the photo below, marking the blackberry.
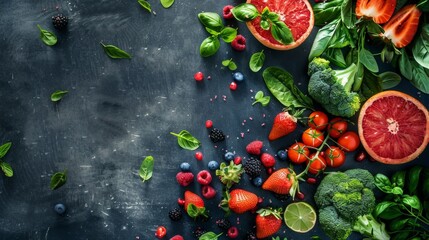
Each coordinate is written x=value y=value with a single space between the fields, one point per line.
x=253 y=167
x=216 y=135
x=175 y=214
x=250 y=236
x=198 y=232
x=223 y=224
x=60 y=21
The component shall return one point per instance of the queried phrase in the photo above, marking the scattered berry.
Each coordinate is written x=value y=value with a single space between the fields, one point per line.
x=198 y=232
x=268 y=160
x=185 y=167
x=250 y=236
x=199 y=76
x=180 y=201
x=360 y=156
x=270 y=171
x=216 y=135
x=238 y=77
x=227 y=14
x=282 y=155
x=253 y=167
x=232 y=232
x=60 y=208
x=311 y=180
x=209 y=124
x=257 y=181
x=161 y=231
x=204 y=177
x=223 y=224
x=213 y=165
x=254 y=147
x=237 y=160
x=177 y=237
x=184 y=178
x=175 y=214
x=60 y=21
x=233 y=86
x=239 y=43
x=300 y=195
x=282 y=197
x=199 y=156
x=229 y=156
x=208 y=192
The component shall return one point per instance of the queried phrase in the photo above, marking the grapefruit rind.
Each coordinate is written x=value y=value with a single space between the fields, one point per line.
x=424 y=128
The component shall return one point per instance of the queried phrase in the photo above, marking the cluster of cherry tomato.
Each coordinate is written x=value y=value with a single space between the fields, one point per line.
x=316 y=151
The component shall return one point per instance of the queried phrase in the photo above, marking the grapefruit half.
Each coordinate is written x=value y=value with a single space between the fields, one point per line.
x=296 y=14
x=393 y=127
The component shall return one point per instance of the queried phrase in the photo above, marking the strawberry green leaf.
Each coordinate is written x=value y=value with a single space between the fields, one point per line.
x=186 y=140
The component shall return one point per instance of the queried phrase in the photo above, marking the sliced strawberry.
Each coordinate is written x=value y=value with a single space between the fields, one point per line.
x=379 y=10
x=403 y=26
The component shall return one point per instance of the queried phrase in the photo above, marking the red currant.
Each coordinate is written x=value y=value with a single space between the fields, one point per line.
x=161 y=231
x=209 y=123
x=300 y=195
x=199 y=156
x=237 y=160
x=233 y=86
x=199 y=76
x=311 y=180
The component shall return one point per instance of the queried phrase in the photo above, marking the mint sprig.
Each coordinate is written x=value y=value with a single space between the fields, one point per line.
x=230 y=64
x=260 y=98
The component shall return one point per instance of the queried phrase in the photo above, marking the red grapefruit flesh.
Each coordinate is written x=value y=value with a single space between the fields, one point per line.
x=296 y=14
x=393 y=127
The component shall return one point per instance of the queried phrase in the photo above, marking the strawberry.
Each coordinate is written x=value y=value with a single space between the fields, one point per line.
x=268 y=160
x=268 y=222
x=239 y=201
x=254 y=147
x=400 y=30
x=280 y=181
x=379 y=10
x=194 y=205
x=284 y=123
x=177 y=237
x=184 y=178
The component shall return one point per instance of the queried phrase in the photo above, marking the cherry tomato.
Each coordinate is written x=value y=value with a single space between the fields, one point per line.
x=312 y=137
x=337 y=126
x=349 y=141
x=161 y=231
x=318 y=120
x=317 y=165
x=298 y=153
x=334 y=156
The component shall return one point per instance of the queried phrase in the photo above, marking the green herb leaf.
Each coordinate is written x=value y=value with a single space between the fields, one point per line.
x=4 y=149
x=327 y=11
x=228 y=34
x=47 y=37
x=58 y=95
x=264 y=24
x=115 y=52
x=257 y=61
x=260 y=98
x=398 y=179
x=383 y=183
x=341 y=38
x=212 y=32
x=146 y=168
x=368 y=60
x=347 y=13
x=323 y=38
x=420 y=78
x=7 y=169
x=387 y=210
x=245 y=12
x=209 y=46
x=230 y=64
x=281 y=32
x=421 y=47
x=412 y=201
x=413 y=179
x=397 y=191
x=211 y=20
x=186 y=140
x=145 y=4
x=389 y=80
x=209 y=236
x=405 y=66
x=58 y=180
x=336 y=56
x=167 y=3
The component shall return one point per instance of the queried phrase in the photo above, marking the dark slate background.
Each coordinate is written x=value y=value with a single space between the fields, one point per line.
x=119 y=111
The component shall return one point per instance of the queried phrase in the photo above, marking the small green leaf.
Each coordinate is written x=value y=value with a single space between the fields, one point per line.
x=4 y=149
x=413 y=179
x=281 y=32
x=421 y=47
x=265 y=24
x=211 y=20
x=228 y=34
x=115 y=52
x=245 y=12
x=257 y=61
x=383 y=183
x=167 y=3
x=186 y=140
x=259 y=95
x=260 y=98
x=58 y=180
x=7 y=169
x=405 y=66
x=209 y=236
x=389 y=79
x=397 y=191
x=209 y=46
x=412 y=201
x=230 y=64
x=58 y=95
x=387 y=210
x=145 y=4
x=47 y=37
x=146 y=168
x=212 y=32
x=368 y=60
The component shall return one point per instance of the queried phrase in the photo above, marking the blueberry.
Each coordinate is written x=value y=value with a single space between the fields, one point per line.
x=60 y=208
x=185 y=167
x=238 y=77
x=213 y=165
x=229 y=156
x=282 y=155
x=257 y=181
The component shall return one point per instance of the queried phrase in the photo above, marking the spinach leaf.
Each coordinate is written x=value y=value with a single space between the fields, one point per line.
x=421 y=47
x=7 y=169
x=146 y=168
x=383 y=183
x=186 y=140
x=260 y=98
x=47 y=37
x=145 y=4
x=281 y=32
x=114 y=52
x=230 y=64
x=167 y=3
x=405 y=66
x=257 y=61
x=4 y=149
x=389 y=80
x=336 y=56
x=209 y=236
x=347 y=13
x=326 y=11
x=323 y=38
x=211 y=20
x=58 y=180
x=58 y=95
x=413 y=179
x=341 y=38
x=368 y=60
x=209 y=46
x=245 y=12
x=228 y=34
x=420 y=78
x=281 y=85
x=371 y=84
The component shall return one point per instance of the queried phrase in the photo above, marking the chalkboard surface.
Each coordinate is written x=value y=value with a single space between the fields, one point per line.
x=117 y=112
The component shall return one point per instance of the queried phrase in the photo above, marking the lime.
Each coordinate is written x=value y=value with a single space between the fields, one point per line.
x=300 y=217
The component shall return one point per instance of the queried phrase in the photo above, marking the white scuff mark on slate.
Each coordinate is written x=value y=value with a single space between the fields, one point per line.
x=46 y=234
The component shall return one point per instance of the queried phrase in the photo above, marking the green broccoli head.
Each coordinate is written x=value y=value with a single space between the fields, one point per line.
x=331 y=185
x=318 y=64
x=333 y=225
x=352 y=205
x=363 y=175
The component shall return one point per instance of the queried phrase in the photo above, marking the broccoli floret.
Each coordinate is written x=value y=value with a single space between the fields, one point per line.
x=332 y=88
x=332 y=181
x=364 y=176
x=333 y=225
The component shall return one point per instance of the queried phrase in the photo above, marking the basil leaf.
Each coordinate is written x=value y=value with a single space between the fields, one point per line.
x=413 y=202
x=405 y=66
x=424 y=188
x=413 y=179
x=58 y=95
x=387 y=210
x=228 y=34
x=336 y=56
x=397 y=191
x=146 y=168
x=260 y=98
x=265 y=24
x=423 y=5
x=341 y=38
x=368 y=60
x=323 y=37
x=186 y=140
x=326 y=11
x=273 y=16
x=167 y=3
x=4 y=149
x=398 y=179
x=47 y=37
x=7 y=169
x=245 y=12
x=230 y=64
x=371 y=84
x=420 y=78
x=257 y=61
x=347 y=13
x=58 y=180
x=281 y=32
x=389 y=80
x=382 y=206
x=383 y=183
x=145 y=4
x=211 y=20
x=115 y=52
x=212 y=32
x=421 y=47
x=398 y=224
x=281 y=85
x=209 y=236
x=209 y=46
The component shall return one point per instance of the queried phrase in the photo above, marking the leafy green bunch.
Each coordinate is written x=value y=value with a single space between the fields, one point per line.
x=5 y=167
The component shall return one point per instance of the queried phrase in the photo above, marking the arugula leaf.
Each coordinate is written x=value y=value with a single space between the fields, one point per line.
x=145 y=4
x=114 y=52
x=209 y=46
x=7 y=169
x=58 y=180
x=260 y=98
x=58 y=95
x=146 y=168
x=47 y=37
x=4 y=149
x=230 y=64
x=257 y=61
x=186 y=140
x=167 y=3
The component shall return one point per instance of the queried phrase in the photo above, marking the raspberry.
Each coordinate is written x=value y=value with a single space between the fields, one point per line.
x=239 y=43
x=209 y=124
x=268 y=160
x=184 y=178
x=227 y=14
x=254 y=147
x=204 y=177
x=199 y=76
x=175 y=214
x=233 y=86
x=208 y=192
